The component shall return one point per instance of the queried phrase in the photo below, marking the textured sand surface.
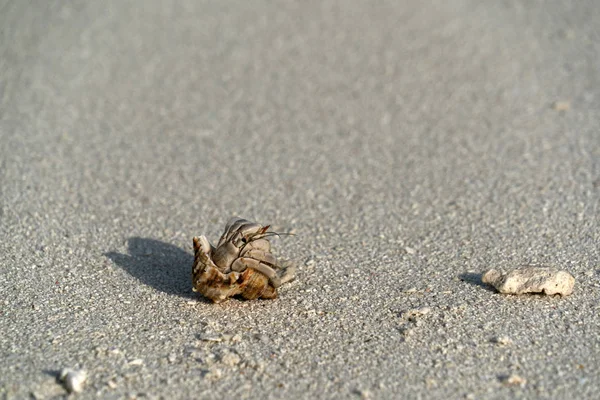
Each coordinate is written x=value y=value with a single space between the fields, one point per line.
x=409 y=145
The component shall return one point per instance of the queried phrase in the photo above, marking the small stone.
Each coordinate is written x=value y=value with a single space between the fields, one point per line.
x=423 y=311
x=226 y=337
x=172 y=358
x=409 y=250
x=364 y=394
x=112 y=384
x=113 y=351
x=264 y=338
x=73 y=379
x=230 y=359
x=214 y=374
x=413 y=315
x=561 y=106
x=515 y=380
x=210 y=338
x=100 y=351
x=502 y=341
x=545 y=280
x=407 y=331
x=137 y=361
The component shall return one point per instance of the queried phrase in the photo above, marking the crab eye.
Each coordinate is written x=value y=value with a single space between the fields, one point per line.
x=244 y=240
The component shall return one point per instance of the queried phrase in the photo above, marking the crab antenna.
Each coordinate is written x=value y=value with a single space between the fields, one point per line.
x=277 y=234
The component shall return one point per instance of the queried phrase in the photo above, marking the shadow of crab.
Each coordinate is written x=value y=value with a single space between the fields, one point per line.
x=161 y=265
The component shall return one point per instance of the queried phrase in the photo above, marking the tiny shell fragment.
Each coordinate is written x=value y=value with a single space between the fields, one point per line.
x=549 y=281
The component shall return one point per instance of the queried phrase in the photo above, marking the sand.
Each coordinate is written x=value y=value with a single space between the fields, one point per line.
x=410 y=147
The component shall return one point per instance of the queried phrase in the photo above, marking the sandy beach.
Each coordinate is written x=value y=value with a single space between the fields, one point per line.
x=408 y=146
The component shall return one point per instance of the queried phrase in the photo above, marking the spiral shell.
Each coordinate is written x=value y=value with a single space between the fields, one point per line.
x=242 y=264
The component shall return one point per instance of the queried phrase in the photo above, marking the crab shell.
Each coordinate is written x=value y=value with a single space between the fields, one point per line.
x=242 y=264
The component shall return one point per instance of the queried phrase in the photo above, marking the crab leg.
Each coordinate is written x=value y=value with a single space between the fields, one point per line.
x=244 y=262
x=257 y=244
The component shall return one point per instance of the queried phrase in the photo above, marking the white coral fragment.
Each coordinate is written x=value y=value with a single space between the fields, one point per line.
x=546 y=280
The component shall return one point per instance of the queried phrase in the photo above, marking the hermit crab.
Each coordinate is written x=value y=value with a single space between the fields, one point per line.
x=241 y=264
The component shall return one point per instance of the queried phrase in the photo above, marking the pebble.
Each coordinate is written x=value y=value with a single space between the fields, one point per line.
x=236 y=338
x=502 y=341
x=364 y=394
x=73 y=379
x=230 y=359
x=210 y=338
x=214 y=373
x=561 y=106
x=264 y=338
x=515 y=380
x=407 y=331
x=412 y=315
x=113 y=351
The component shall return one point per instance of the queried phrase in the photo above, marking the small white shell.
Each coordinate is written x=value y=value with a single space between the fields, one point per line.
x=73 y=379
